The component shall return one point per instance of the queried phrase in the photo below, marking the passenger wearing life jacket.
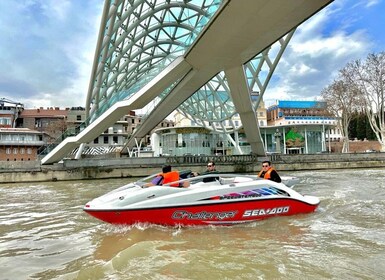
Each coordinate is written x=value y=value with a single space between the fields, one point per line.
x=268 y=172
x=167 y=176
x=170 y=176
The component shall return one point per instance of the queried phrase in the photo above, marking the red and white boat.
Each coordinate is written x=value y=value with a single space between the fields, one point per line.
x=229 y=199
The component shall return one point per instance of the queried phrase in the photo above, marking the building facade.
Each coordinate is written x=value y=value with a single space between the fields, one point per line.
x=287 y=127
x=52 y=121
x=20 y=144
x=301 y=127
x=9 y=112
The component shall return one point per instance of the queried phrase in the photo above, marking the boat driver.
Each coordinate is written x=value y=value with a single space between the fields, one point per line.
x=210 y=170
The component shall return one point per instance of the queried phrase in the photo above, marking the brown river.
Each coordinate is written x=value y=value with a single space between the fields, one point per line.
x=44 y=234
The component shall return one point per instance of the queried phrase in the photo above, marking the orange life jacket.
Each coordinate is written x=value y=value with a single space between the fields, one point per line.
x=169 y=177
x=267 y=174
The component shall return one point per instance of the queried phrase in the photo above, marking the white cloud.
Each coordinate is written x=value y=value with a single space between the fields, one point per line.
x=57 y=10
x=47 y=50
x=318 y=50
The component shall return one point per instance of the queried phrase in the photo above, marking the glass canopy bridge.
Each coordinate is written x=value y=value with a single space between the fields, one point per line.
x=184 y=55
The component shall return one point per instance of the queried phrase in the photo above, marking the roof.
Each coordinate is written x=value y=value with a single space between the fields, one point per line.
x=48 y=112
x=288 y=104
x=300 y=104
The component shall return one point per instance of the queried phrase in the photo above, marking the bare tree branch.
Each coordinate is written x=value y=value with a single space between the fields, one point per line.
x=368 y=78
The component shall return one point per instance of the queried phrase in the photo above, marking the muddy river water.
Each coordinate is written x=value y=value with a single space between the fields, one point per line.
x=44 y=234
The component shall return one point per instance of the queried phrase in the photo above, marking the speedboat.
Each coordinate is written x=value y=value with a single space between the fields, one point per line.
x=226 y=200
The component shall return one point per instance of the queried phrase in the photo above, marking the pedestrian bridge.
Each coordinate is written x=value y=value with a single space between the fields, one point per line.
x=208 y=59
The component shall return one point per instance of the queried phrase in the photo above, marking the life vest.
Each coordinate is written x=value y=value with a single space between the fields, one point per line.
x=267 y=174
x=169 y=177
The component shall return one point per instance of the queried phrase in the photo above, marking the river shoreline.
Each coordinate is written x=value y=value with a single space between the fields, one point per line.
x=108 y=168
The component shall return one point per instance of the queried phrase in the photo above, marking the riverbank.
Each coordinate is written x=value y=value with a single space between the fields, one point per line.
x=106 y=168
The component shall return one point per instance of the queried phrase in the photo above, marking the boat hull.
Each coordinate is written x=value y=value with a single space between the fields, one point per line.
x=225 y=213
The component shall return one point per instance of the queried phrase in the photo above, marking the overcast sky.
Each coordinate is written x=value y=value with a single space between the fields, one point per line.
x=47 y=49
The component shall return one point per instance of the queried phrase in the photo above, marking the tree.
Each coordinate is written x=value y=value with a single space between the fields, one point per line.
x=343 y=101
x=361 y=127
x=353 y=126
x=368 y=78
x=369 y=132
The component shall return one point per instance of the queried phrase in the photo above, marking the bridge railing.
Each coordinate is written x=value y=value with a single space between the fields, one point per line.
x=206 y=158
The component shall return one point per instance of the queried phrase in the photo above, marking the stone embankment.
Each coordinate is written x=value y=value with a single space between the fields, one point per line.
x=15 y=172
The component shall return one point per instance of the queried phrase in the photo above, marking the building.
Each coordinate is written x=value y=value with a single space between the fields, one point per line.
x=113 y=140
x=55 y=124
x=145 y=146
x=52 y=121
x=16 y=143
x=287 y=112
x=9 y=112
x=76 y=116
x=20 y=144
x=300 y=127
x=287 y=127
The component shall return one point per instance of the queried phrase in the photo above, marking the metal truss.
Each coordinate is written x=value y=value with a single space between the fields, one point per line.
x=137 y=40
x=212 y=106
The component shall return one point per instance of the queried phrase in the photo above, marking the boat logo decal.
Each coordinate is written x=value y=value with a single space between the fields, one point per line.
x=264 y=191
x=186 y=215
x=266 y=211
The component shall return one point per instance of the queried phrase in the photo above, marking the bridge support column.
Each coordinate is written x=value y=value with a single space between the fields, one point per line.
x=80 y=151
x=240 y=94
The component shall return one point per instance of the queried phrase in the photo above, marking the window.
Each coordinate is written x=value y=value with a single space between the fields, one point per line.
x=22 y=151
x=29 y=151
x=78 y=117
x=105 y=140
x=38 y=123
x=8 y=151
x=5 y=121
x=96 y=140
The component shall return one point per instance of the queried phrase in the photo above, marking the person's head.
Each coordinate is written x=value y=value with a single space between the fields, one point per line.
x=211 y=165
x=266 y=165
x=166 y=168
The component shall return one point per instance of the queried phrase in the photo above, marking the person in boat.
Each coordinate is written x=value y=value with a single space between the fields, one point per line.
x=268 y=172
x=210 y=169
x=168 y=176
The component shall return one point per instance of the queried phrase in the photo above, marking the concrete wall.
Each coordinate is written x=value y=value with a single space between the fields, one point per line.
x=13 y=172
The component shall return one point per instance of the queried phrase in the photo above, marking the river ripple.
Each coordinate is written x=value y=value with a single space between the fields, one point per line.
x=45 y=235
